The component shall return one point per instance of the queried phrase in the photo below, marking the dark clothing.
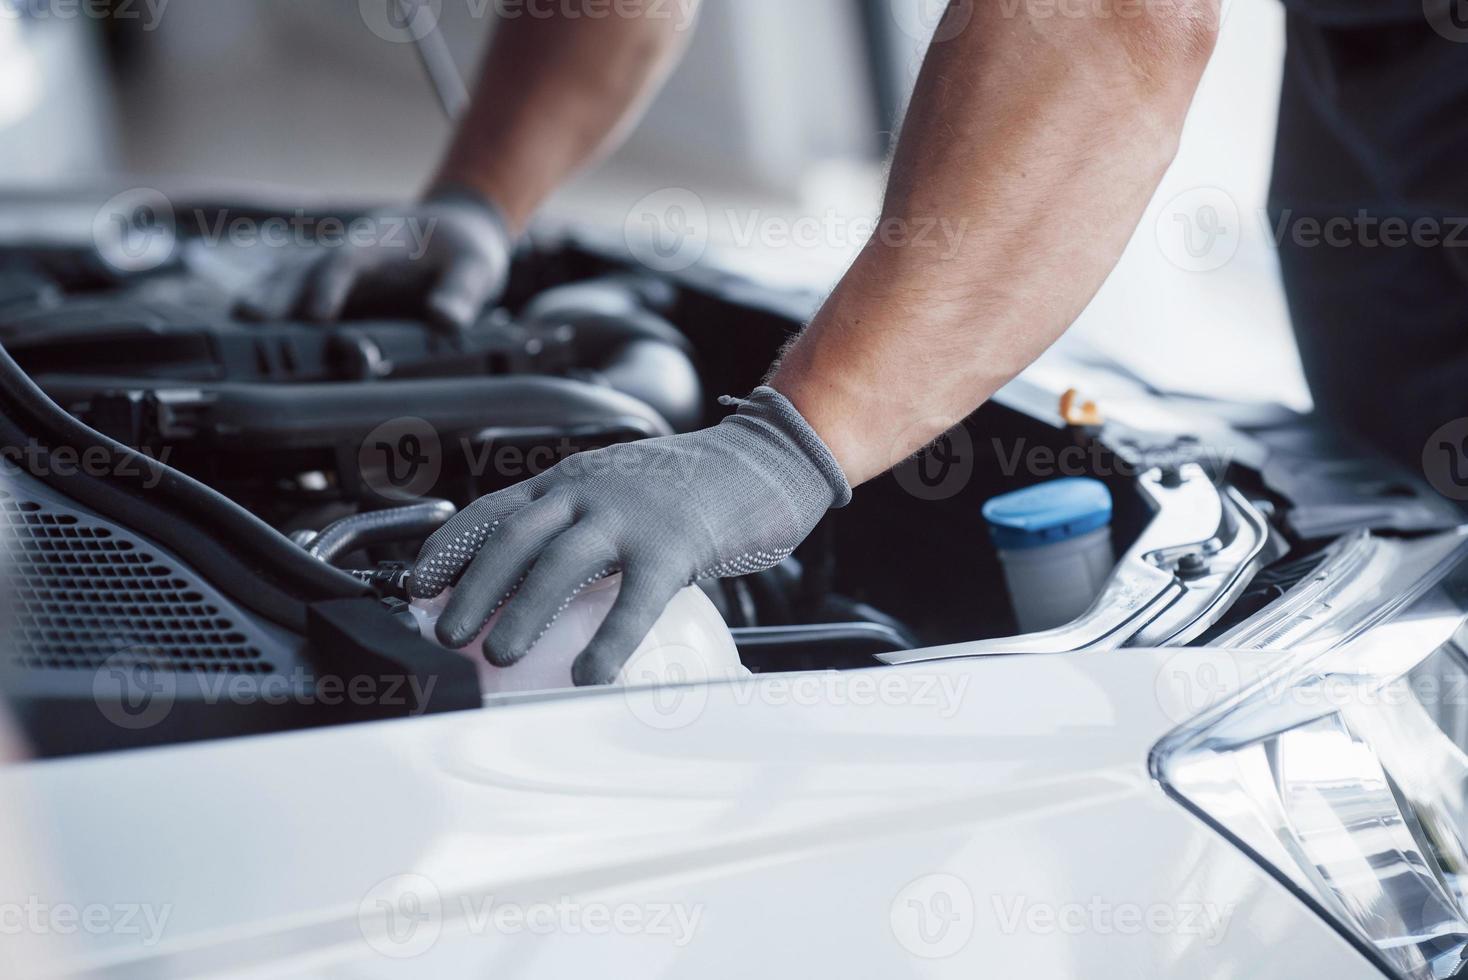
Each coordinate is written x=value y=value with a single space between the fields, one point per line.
x=1374 y=128
x=1355 y=13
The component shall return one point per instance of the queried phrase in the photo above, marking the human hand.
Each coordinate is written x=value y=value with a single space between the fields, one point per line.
x=727 y=501
x=450 y=255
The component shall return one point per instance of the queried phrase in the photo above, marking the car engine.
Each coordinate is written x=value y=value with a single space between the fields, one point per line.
x=265 y=484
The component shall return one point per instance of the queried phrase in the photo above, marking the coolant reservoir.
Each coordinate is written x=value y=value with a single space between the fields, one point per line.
x=1054 y=541
x=690 y=643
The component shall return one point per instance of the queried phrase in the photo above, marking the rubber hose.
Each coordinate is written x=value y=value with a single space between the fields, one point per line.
x=380 y=527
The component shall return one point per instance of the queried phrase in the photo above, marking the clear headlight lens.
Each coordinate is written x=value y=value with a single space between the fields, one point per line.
x=1347 y=774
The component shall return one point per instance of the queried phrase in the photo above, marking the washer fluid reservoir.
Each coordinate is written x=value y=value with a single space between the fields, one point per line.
x=689 y=644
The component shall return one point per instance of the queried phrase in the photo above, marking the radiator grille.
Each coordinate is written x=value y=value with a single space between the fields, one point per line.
x=82 y=594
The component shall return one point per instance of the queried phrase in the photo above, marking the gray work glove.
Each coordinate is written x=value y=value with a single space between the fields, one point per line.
x=450 y=255
x=726 y=501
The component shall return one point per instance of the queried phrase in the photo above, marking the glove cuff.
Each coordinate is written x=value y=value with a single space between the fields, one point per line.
x=454 y=193
x=768 y=406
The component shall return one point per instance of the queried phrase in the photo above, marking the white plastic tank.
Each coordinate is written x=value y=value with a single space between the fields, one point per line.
x=688 y=644
x=1054 y=541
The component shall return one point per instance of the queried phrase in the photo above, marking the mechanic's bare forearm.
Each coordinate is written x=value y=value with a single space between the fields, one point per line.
x=554 y=92
x=1029 y=154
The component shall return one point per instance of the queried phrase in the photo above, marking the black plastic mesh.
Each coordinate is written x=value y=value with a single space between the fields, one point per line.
x=82 y=595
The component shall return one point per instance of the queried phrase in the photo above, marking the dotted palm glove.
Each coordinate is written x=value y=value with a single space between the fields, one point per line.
x=726 y=501
x=451 y=255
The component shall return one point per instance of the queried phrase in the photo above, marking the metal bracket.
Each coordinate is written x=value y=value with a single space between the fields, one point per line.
x=1159 y=592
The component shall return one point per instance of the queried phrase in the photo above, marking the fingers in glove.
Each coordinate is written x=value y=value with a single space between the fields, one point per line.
x=500 y=565
x=327 y=287
x=461 y=293
x=450 y=549
x=640 y=604
x=577 y=559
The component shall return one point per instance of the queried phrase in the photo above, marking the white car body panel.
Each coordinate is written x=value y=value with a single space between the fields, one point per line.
x=782 y=834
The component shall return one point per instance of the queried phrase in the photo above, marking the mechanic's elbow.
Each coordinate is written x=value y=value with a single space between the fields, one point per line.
x=1161 y=50
x=1165 y=45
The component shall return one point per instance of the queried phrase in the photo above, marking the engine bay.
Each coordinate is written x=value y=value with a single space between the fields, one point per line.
x=313 y=428
x=355 y=441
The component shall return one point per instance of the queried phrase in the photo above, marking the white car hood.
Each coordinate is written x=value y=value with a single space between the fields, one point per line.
x=783 y=818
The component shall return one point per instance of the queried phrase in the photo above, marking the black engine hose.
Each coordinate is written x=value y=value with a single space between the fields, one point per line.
x=234 y=550
x=616 y=340
x=653 y=372
x=415 y=521
x=614 y=295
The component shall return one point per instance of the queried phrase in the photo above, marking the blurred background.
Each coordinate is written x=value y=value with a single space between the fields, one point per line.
x=779 y=120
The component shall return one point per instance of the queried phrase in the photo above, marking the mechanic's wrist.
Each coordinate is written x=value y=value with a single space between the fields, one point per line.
x=768 y=411
x=832 y=409
x=514 y=206
x=453 y=193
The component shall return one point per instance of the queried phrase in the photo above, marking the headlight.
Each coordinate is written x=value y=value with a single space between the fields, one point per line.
x=1346 y=774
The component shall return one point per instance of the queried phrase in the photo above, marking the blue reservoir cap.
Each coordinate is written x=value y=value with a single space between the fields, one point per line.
x=1048 y=514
